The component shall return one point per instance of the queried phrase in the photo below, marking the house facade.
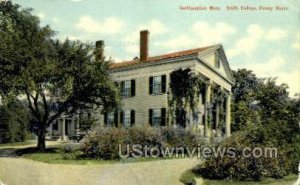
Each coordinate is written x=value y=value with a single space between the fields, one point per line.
x=145 y=88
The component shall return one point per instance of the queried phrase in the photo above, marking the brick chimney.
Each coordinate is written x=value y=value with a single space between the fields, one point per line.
x=144 y=38
x=99 y=52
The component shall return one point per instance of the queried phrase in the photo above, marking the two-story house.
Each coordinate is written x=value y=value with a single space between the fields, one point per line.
x=144 y=84
x=145 y=88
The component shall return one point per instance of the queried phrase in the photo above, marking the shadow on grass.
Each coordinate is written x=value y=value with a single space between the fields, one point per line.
x=33 y=150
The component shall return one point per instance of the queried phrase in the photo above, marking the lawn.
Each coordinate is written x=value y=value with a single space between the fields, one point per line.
x=288 y=180
x=54 y=155
x=15 y=144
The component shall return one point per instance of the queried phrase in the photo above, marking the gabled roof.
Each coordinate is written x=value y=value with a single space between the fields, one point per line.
x=161 y=57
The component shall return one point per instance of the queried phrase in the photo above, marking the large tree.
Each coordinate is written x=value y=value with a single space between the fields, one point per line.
x=40 y=69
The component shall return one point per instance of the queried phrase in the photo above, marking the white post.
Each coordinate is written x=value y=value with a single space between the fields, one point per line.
x=217 y=120
x=206 y=109
x=51 y=130
x=228 y=114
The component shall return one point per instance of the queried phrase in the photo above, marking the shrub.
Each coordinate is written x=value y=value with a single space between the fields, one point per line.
x=103 y=142
x=14 y=119
x=245 y=168
x=179 y=137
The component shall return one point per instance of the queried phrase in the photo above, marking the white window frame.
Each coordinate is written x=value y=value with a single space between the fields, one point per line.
x=156 y=117
x=127 y=118
x=157 y=84
x=110 y=118
x=126 y=91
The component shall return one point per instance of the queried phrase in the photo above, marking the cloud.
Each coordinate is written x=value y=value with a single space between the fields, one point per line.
x=131 y=40
x=274 y=68
x=208 y=33
x=201 y=34
x=155 y=28
x=181 y=41
x=248 y=43
x=76 y=0
x=296 y=45
x=110 y=25
x=41 y=15
x=255 y=35
x=276 y=34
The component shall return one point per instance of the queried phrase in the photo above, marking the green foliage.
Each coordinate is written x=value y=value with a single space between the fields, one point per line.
x=245 y=92
x=35 y=65
x=188 y=178
x=103 y=143
x=240 y=167
x=185 y=87
x=263 y=116
x=14 y=119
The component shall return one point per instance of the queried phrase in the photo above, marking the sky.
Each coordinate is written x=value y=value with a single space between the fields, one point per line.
x=266 y=42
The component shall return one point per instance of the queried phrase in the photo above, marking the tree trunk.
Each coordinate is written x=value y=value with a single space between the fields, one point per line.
x=41 y=144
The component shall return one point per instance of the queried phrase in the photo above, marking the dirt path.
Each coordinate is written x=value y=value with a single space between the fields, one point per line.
x=20 y=171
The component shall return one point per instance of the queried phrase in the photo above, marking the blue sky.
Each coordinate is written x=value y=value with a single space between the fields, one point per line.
x=267 y=42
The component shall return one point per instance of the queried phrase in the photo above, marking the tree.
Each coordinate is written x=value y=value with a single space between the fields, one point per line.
x=41 y=69
x=14 y=119
x=245 y=92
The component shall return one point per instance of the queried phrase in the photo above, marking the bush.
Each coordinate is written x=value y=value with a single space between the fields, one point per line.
x=103 y=142
x=14 y=119
x=246 y=168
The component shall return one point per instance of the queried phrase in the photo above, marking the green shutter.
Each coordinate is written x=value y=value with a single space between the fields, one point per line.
x=163 y=84
x=116 y=118
x=151 y=85
x=151 y=116
x=132 y=87
x=122 y=88
x=132 y=117
x=105 y=118
x=163 y=117
x=121 y=118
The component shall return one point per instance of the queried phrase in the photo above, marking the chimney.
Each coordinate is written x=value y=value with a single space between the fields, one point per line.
x=144 y=37
x=99 y=52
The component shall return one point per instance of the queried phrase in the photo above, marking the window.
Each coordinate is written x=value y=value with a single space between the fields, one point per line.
x=157 y=84
x=128 y=88
x=127 y=118
x=55 y=125
x=110 y=119
x=157 y=117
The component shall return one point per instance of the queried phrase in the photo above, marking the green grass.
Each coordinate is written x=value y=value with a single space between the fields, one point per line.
x=58 y=158
x=55 y=155
x=288 y=180
x=15 y=144
x=187 y=176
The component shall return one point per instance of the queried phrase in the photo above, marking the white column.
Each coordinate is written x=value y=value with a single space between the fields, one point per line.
x=51 y=129
x=63 y=128
x=77 y=125
x=217 y=119
x=228 y=114
x=206 y=109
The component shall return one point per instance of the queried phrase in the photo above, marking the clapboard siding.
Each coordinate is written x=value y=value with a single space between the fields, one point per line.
x=143 y=101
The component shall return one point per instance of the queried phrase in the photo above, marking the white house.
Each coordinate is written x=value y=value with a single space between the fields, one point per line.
x=145 y=88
